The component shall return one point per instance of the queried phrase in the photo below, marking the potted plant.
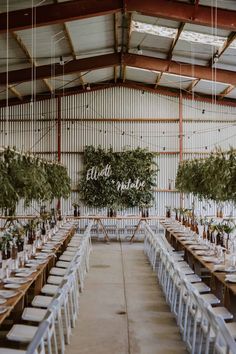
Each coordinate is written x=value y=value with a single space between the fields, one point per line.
x=18 y=234
x=76 y=209
x=6 y=245
x=168 y=211
x=30 y=228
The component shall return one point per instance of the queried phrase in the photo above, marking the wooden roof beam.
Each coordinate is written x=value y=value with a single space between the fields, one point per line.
x=192 y=85
x=69 y=39
x=73 y=66
x=171 y=50
x=131 y=84
x=158 y=79
x=175 y=40
x=75 y=10
x=72 y=49
x=185 y=12
x=116 y=59
x=15 y=92
x=128 y=32
x=57 y=13
x=226 y=91
x=115 y=74
x=116 y=44
x=220 y=52
x=29 y=57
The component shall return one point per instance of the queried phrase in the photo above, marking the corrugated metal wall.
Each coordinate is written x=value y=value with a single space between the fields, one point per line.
x=120 y=117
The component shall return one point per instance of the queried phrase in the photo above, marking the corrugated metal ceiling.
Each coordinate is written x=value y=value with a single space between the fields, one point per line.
x=95 y=36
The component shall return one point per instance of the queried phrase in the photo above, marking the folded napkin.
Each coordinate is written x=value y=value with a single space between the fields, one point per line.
x=223 y=268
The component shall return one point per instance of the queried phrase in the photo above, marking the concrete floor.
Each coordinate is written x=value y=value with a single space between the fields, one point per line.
x=122 y=308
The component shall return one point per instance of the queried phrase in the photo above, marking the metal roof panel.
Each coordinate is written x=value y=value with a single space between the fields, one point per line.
x=141 y=75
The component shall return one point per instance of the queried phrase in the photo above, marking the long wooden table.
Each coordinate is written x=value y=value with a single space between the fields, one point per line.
x=17 y=303
x=223 y=289
x=99 y=220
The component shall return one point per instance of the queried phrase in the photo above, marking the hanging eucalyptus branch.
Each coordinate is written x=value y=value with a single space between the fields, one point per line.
x=213 y=178
x=23 y=176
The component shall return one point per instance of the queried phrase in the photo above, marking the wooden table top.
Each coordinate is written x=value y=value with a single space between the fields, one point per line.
x=118 y=217
x=208 y=265
x=22 y=290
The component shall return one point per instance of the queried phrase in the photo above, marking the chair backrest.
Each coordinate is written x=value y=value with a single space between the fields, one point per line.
x=224 y=338
x=37 y=345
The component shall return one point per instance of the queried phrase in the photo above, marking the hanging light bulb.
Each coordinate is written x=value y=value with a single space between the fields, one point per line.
x=61 y=62
x=139 y=50
x=216 y=57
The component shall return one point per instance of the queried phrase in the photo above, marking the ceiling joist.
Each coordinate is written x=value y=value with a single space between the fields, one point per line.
x=15 y=92
x=221 y=51
x=74 y=10
x=171 y=50
x=125 y=59
x=185 y=12
x=192 y=85
x=29 y=57
x=57 y=13
x=226 y=91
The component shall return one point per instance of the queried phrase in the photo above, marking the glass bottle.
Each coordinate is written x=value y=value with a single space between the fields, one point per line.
x=204 y=235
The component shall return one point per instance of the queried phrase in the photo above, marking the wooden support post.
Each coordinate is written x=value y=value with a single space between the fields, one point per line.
x=181 y=138
x=59 y=137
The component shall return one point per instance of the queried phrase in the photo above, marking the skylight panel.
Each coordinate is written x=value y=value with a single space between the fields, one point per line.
x=188 y=36
x=153 y=29
x=197 y=37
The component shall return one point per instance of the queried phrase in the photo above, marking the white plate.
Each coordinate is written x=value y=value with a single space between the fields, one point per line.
x=25 y=270
x=7 y=294
x=190 y=242
x=36 y=261
x=43 y=256
x=20 y=270
x=199 y=247
x=12 y=286
x=211 y=260
x=231 y=278
x=48 y=247
x=31 y=265
x=2 y=301
x=3 y=309
x=24 y=274
x=223 y=268
x=16 y=280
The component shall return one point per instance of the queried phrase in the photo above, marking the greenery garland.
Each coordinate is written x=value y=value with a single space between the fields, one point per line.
x=133 y=165
x=23 y=176
x=213 y=178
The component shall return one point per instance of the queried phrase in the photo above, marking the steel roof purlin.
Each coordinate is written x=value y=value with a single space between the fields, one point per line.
x=184 y=45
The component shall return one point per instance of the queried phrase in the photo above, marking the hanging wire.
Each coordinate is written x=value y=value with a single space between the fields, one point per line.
x=7 y=79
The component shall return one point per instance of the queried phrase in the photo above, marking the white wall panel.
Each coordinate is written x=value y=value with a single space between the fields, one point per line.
x=85 y=121
x=120 y=102
x=206 y=136
x=201 y=110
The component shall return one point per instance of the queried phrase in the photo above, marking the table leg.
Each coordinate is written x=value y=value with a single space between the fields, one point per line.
x=106 y=237
x=136 y=230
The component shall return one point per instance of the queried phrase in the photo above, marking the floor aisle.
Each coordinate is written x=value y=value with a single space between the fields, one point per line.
x=122 y=309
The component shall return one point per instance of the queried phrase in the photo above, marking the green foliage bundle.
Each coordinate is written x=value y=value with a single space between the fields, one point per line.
x=213 y=178
x=26 y=177
x=127 y=165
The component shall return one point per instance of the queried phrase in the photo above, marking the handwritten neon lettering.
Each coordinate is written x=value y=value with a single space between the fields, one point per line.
x=94 y=173
x=125 y=185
